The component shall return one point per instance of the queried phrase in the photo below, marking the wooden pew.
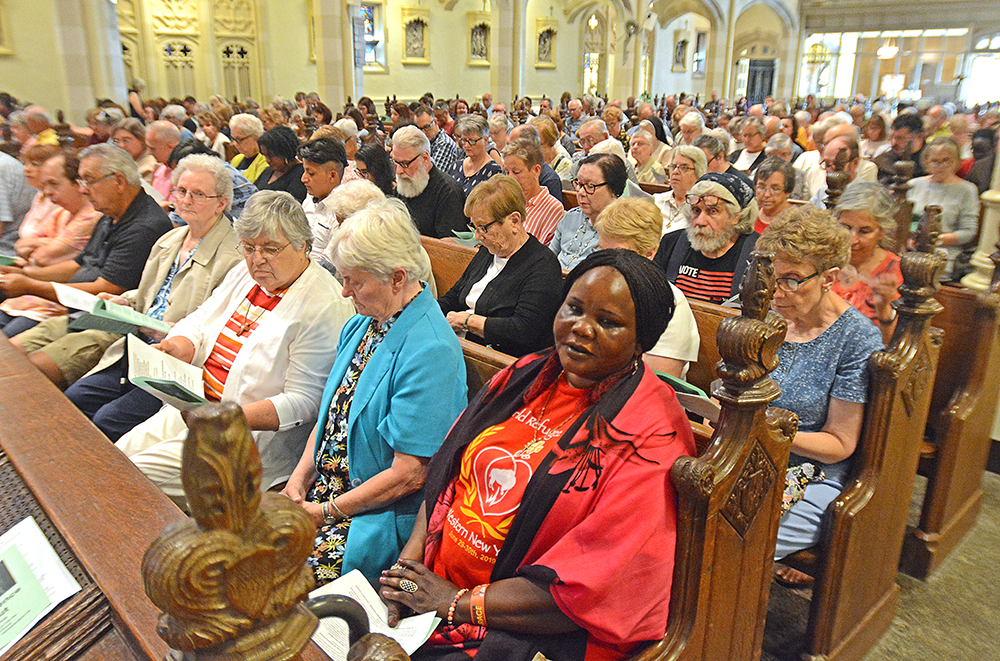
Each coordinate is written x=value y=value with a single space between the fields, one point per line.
x=729 y=497
x=709 y=317
x=448 y=261
x=569 y=199
x=855 y=596
x=960 y=426
x=97 y=509
x=655 y=188
x=481 y=363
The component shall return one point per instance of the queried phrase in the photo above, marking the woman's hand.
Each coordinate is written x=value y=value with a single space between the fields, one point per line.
x=884 y=290
x=180 y=348
x=315 y=512
x=433 y=593
x=458 y=319
x=120 y=300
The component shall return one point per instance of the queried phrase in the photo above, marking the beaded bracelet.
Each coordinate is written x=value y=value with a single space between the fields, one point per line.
x=477 y=604
x=454 y=604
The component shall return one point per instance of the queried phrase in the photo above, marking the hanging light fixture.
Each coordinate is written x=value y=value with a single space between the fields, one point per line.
x=592 y=23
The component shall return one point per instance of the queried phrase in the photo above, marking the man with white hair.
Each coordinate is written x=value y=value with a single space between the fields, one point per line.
x=113 y=259
x=435 y=200
x=176 y=115
x=816 y=175
x=161 y=138
x=692 y=125
x=576 y=118
x=39 y=124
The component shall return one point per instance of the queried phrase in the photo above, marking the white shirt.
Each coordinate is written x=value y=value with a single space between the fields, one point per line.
x=673 y=214
x=680 y=340
x=321 y=221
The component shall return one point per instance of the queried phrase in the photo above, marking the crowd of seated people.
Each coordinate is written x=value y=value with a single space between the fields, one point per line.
x=283 y=246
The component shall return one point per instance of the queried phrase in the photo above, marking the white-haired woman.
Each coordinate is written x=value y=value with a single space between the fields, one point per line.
x=264 y=340
x=687 y=166
x=245 y=130
x=396 y=388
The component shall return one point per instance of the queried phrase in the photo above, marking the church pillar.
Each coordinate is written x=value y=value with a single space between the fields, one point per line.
x=507 y=70
x=334 y=53
x=628 y=74
x=87 y=35
x=728 y=81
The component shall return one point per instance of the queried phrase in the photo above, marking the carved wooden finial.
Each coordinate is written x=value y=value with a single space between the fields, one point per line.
x=230 y=581
x=749 y=343
x=930 y=229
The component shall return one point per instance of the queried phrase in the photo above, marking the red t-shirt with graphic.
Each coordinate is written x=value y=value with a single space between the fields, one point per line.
x=494 y=472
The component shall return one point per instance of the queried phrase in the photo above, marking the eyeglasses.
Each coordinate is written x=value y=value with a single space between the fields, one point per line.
x=713 y=204
x=469 y=141
x=362 y=172
x=125 y=140
x=267 y=252
x=406 y=164
x=682 y=168
x=196 y=195
x=748 y=134
x=589 y=189
x=773 y=190
x=425 y=128
x=83 y=183
x=483 y=229
x=792 y=285
x=237 y=140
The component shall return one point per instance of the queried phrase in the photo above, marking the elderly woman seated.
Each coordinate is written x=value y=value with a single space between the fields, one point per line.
x=822 y=367
x=687 y=166
x=265 y=339
x=707 y=260
x=396 y=388
x=559 y=446
x=634 y=224
x=958 y=199
x=773 y=183
x=509 y=293
x=472 y=135
x=871 y=280
x=648 y=169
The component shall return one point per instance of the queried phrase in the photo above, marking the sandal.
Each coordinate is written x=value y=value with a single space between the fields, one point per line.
x=793 y=578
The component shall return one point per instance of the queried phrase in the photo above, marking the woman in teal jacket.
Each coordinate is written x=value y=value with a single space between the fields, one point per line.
x=395 y=389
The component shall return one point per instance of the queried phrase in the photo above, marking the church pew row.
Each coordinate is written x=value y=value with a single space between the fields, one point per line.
x=728 y=497
x=963 y=404
x=448 y=261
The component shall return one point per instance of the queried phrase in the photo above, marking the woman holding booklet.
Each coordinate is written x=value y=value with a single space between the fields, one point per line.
x=264 y=339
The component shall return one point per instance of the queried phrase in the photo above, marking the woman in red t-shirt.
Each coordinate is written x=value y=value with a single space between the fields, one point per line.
x=549 y=523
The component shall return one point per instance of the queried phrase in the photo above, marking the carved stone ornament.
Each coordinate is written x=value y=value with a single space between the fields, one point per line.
x=230 y=580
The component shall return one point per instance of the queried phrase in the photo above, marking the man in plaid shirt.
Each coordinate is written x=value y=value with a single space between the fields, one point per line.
x=444 y=151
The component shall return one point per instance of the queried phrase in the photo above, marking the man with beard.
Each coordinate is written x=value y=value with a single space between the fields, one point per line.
x=434 y=199
x=707 y=260
x=906 y=143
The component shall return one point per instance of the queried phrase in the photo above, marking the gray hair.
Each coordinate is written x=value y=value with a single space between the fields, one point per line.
x=274 y=214
x=803 y=117
x=778 y=142
x=247 y=124
x=496 y=121
x=475 y=124
x=109 y=116
x=597 y=121
x=871 y=197
x=114 y=160
x=223 y=179
x=173 y=113
x=693 y=154
x=378 y=239
x=17 y=118
x=351 y=197
x=133 y=126
x=39 y=114
x=409 y=136
x=693 y=119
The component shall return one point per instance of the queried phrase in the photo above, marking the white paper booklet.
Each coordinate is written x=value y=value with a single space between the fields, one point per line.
x=33 y=581
x=331 y=636
x=170 y=380
x=104 y=315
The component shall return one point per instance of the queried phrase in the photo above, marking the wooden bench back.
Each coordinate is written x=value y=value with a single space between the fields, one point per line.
x=709 y=317
x=481 y=364
x=963 y=404
x=729 y=497
x=569 y=199
x=854 y=600
x=448 y=261
x=655 y=188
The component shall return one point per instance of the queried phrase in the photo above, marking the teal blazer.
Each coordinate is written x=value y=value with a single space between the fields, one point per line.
x=409 y=394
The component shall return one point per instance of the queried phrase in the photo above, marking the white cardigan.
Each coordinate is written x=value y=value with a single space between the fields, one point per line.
x=286 y=360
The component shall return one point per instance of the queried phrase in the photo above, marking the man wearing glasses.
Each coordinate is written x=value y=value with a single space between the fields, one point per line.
x=707 y=259
x=600 y=181
x=747 y=159
x=839 y=155
x=435 y=200
x=114 y=257
x=444 y=151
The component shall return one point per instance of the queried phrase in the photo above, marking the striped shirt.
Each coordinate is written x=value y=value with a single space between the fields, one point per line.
x=544 y=213
x=241 y=324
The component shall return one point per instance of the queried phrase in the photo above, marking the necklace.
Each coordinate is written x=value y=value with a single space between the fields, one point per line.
x=536 y=444
x=247 y=322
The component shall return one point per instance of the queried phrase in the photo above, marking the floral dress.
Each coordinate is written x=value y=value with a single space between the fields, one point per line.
x=331 y=458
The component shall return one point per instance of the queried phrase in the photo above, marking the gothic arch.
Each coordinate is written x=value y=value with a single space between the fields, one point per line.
x=710 y=9
x=782 y=10
x=576 y=8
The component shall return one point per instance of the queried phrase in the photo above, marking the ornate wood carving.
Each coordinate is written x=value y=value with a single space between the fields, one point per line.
x=751 y=488
x=230 y=580
x=900 y=186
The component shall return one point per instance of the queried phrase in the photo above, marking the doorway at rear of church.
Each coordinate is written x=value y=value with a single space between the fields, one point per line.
x=760 y=81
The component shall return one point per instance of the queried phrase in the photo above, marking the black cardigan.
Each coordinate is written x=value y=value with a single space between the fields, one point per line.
x=519 y=304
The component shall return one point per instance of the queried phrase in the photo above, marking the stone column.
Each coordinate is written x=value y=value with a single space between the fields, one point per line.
x=728 y=80
x=334 y=53
x=87 y=36
x=980 y=277
x=507 y=70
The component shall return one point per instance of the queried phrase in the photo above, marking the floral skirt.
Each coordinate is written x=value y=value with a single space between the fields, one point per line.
x=328 y=551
